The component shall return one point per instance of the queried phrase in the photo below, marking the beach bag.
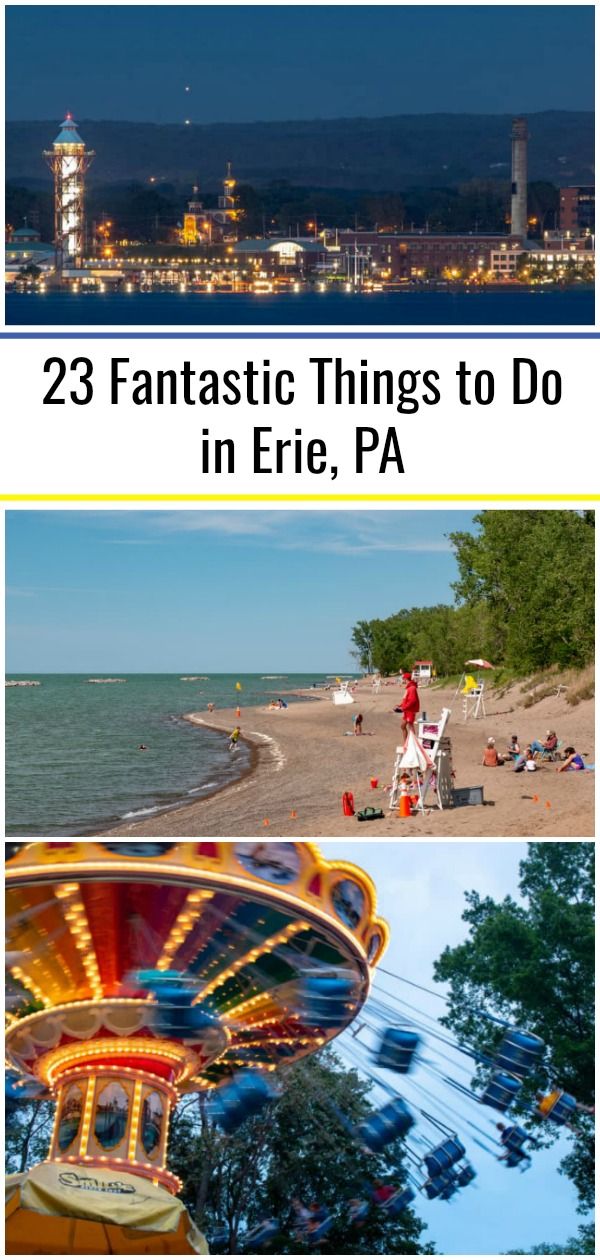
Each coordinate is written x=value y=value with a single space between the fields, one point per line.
x=369 y=813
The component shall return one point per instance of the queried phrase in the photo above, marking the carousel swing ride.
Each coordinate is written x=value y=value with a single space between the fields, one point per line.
x=141 y=972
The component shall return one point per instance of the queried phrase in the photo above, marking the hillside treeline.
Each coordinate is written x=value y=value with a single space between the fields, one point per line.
x=524 y=600
x=148 y=214
x=396 y=152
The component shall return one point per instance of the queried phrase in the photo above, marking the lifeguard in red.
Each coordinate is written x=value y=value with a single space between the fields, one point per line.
x=409 y=705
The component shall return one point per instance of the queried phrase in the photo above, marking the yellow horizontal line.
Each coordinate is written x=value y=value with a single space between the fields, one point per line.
x=477 y=496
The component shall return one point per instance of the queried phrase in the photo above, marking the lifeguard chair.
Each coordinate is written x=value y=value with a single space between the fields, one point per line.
x=472 y=689
x=429 y=766
x=423 y=673
x=473 y=702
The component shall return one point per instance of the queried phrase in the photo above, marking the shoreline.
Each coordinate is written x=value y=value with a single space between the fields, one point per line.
x=261 y=747
x=303 y=758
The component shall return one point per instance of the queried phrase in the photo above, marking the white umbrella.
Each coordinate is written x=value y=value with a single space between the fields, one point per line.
x=414 y=756
x=481 y=664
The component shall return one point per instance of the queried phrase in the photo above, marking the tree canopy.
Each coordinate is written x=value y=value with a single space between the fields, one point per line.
x=27 y=1134
x=297 y=1149
x=524 y=599
x=531 y=963
x=582 y=1244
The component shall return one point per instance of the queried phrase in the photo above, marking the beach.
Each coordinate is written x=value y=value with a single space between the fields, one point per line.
x=305 y=757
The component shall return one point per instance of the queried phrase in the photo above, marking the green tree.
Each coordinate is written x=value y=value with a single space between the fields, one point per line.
x=543 y=201
x=445 y=635
x=362 y=638
x=583 y=1244
x=297 y=1148
x=30 y=272
x=27 y=1134
x=534 y=571
x=532 y=963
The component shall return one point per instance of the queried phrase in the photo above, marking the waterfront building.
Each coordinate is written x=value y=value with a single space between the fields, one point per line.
x=578 y=210
x=26 y=235
x=281 y=254
x=556 y=262
x=414 y=256
x=23 y=249
x=559 y=255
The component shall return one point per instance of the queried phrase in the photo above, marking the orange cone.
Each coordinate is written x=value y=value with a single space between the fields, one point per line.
x=548 y=805
x=293 y=814
x=535 y=798
x=238 y=712
x=266 y=822
x=404 y=803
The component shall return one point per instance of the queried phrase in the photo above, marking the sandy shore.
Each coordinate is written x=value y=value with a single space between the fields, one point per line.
x=303 y=761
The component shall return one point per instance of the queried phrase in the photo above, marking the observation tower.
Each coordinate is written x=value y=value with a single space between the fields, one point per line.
x=141 y=971
x=69 y=160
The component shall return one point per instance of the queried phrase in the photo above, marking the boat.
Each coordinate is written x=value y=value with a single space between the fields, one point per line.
x=194 y=678
x=18 y=682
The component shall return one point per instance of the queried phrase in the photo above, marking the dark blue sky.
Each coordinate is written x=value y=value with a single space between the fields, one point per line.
x=243 y=63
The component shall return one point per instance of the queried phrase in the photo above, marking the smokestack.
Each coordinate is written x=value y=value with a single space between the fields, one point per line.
x=518 y=203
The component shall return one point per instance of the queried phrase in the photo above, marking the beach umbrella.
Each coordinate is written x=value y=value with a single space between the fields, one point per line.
x=56 y=1209
x=414 y=756
x=481 y=664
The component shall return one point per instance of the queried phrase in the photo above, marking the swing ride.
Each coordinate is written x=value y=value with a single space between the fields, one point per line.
x=140 y=972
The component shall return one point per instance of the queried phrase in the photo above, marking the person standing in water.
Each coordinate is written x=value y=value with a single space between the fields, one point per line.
x=409 y=705
x=233 y=738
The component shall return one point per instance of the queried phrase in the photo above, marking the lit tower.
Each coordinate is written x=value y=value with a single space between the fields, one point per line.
x=228 y=200
x=68 y=160
x=518 y=204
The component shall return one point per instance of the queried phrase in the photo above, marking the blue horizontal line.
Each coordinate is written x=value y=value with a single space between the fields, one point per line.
x=262 y=334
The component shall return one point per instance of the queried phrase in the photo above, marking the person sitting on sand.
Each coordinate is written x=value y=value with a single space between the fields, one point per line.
x=491 y=757
x=358 y=721
x=524 y=761
x=514 y=748
x=573 y=761
x=233 y=738
x=409 y=705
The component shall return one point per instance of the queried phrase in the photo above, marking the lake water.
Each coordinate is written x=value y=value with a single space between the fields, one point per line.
x=73 y=762
x=413 y=308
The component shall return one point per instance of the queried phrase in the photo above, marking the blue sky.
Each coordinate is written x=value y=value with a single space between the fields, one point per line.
x=421 y=892
x=250 y=591
x=243 y=63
